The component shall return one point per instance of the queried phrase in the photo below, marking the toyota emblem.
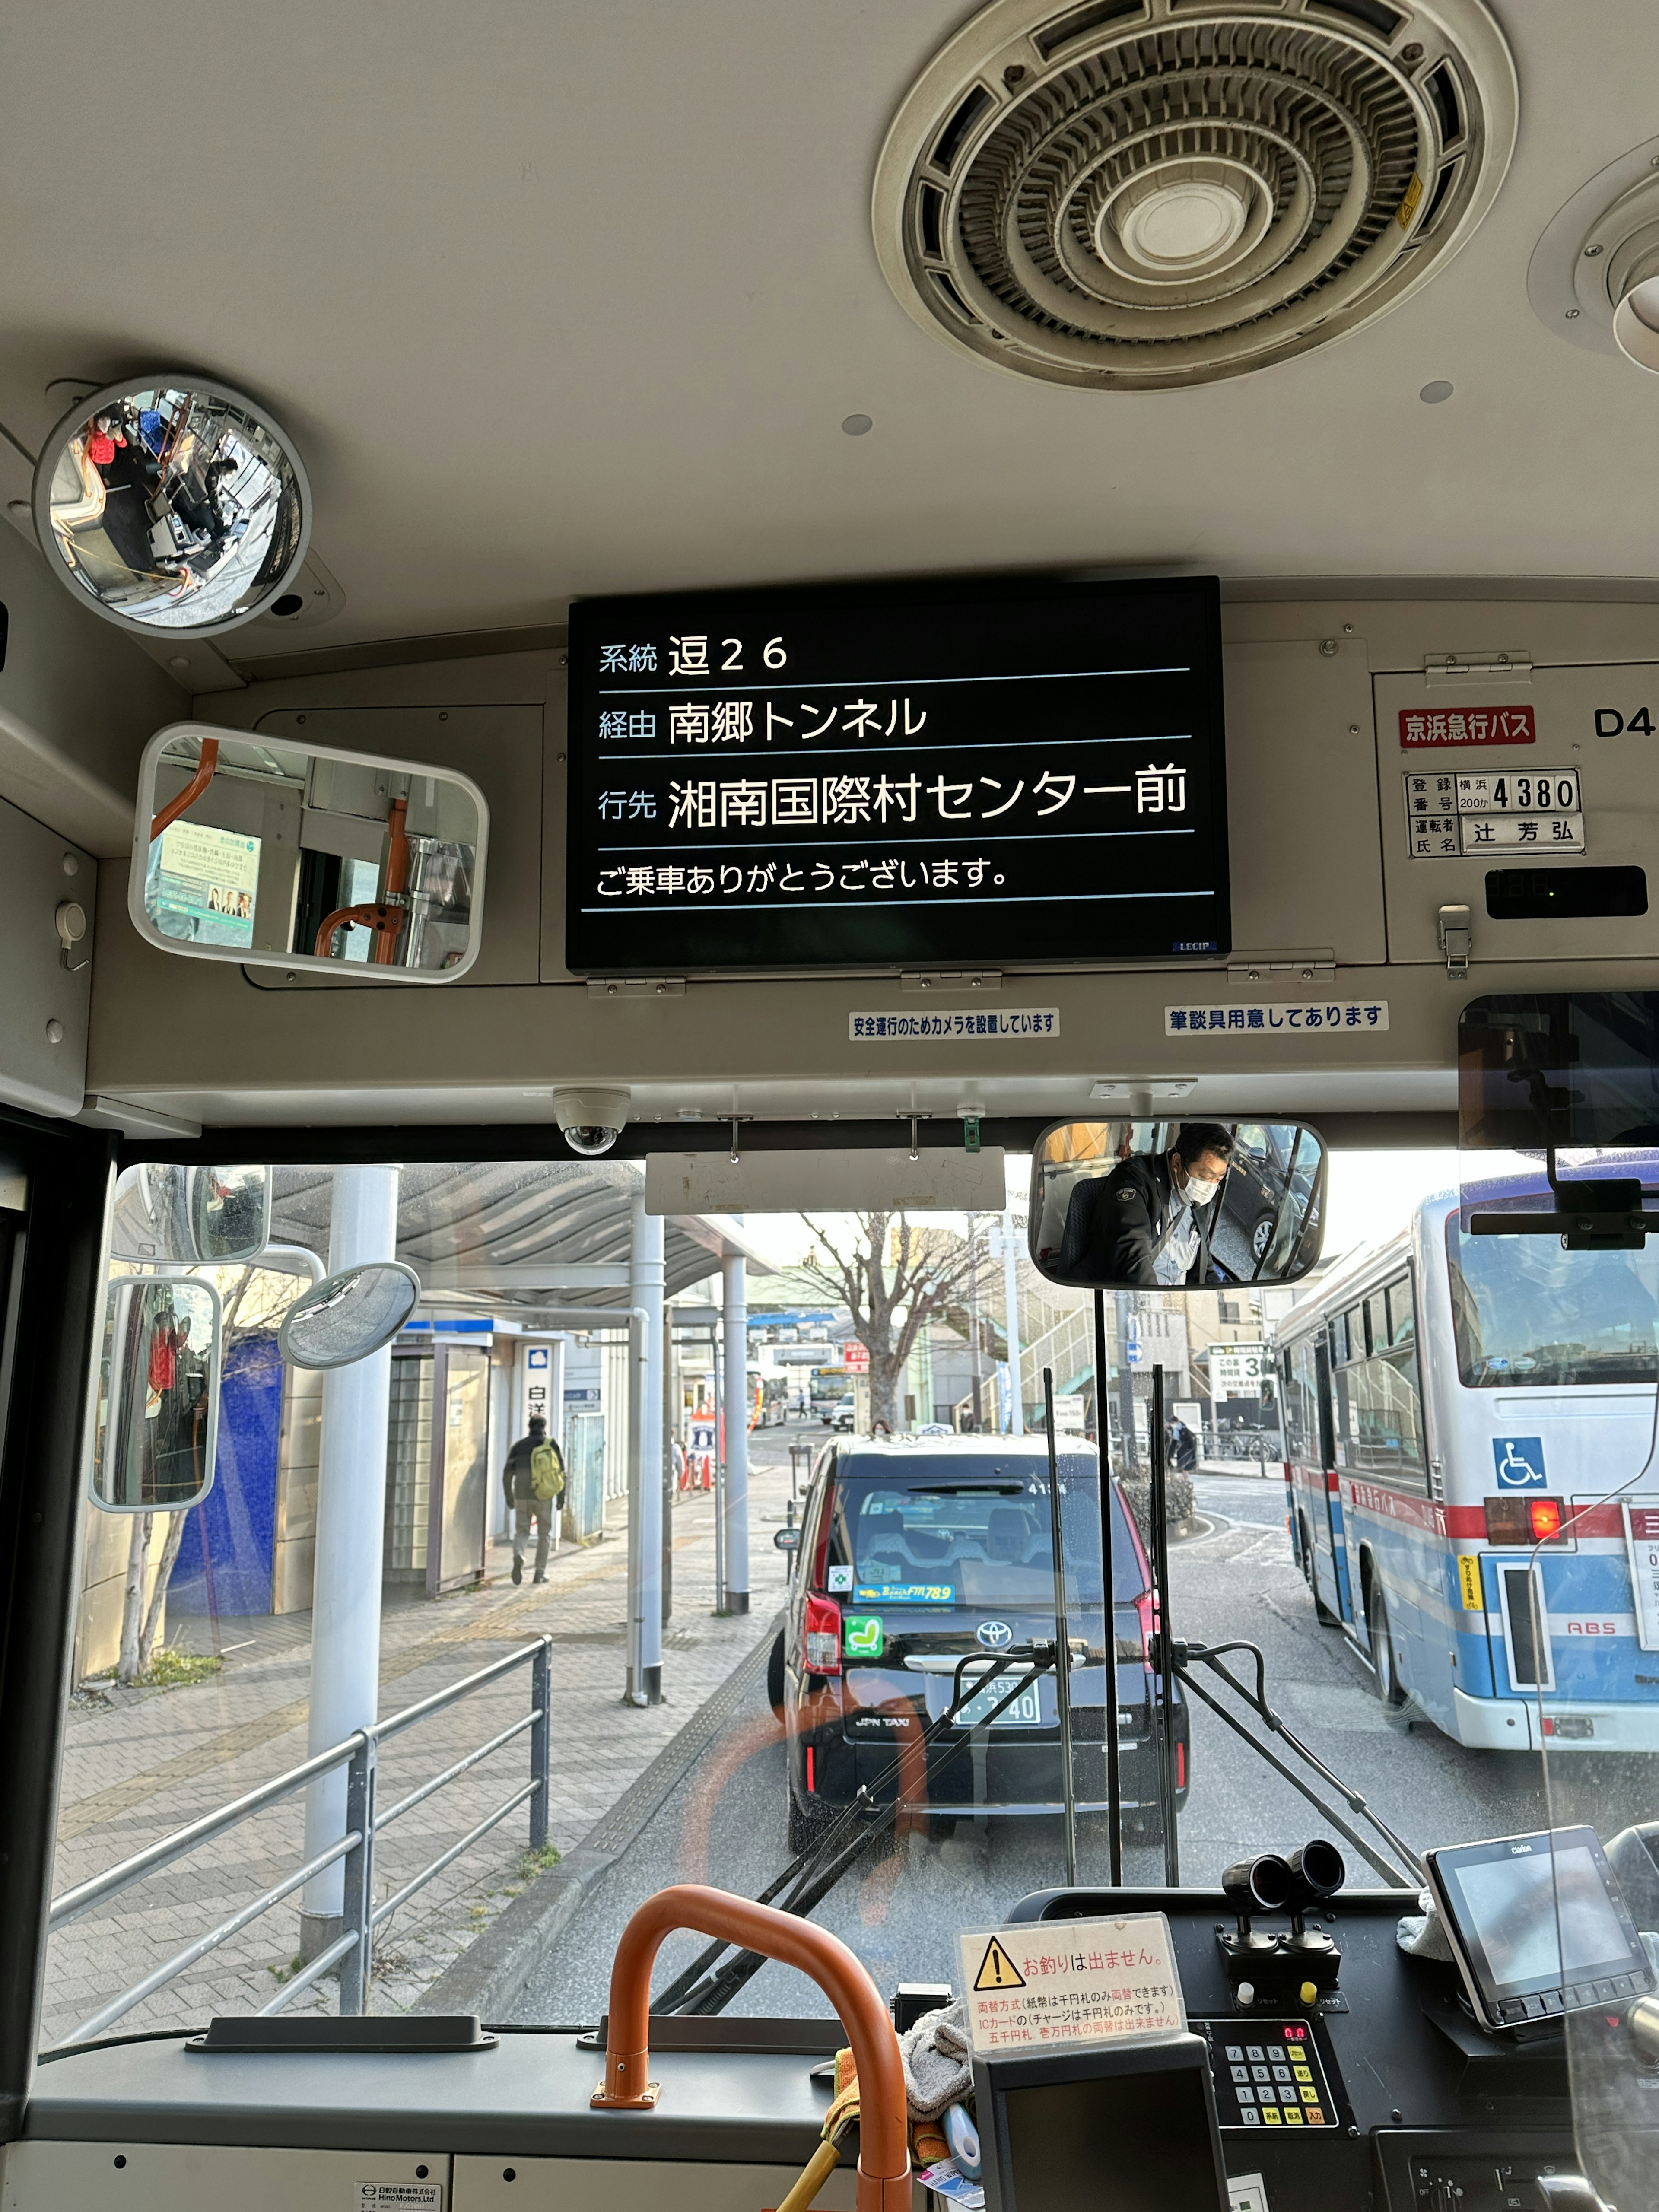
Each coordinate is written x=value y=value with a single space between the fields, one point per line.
x=995 y=1635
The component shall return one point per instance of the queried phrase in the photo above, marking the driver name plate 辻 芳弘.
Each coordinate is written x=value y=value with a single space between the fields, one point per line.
x=1448 y=814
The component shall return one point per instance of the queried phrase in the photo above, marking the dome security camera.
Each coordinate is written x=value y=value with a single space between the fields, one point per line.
x=592 y=1120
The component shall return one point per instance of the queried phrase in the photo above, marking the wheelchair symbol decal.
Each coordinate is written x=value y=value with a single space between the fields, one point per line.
x=1520 y=1461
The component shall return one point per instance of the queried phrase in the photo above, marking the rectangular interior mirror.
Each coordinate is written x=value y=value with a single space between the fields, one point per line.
x=284 y=854
x=158 y=1425
x=1566 y=1069
x=1131 y=1206
x=178 y=1216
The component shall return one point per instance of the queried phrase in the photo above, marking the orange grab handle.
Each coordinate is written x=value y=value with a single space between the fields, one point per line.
x=191 y=792
x=884 y=2175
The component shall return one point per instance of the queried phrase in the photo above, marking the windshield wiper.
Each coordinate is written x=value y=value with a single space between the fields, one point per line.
x=807 y=1880
x=1211 y=1656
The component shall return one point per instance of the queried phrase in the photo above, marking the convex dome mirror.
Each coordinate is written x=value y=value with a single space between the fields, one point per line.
x=346 y=1317
x=172 y=504
x=295 y=856
x=1177 y=1205
x=158 y=1405
x=181 y=1216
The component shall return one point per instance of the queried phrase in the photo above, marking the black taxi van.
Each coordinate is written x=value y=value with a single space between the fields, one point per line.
x=917 y=1551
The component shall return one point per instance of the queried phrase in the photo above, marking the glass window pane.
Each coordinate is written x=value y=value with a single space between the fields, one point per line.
x=1526 y=1311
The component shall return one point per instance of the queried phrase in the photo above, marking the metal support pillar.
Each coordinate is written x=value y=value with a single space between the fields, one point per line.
x=357 y=1967
x=668 y=1373
x=1011 y=1306
x=735 y=1505
x=645 y=1463
x=1126 y=1383
x=345 y=1630
x=1158 y=1512
x=1108 y=1542
x=541 y=1741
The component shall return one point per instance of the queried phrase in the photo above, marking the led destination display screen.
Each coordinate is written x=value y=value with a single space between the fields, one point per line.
x=950 y=774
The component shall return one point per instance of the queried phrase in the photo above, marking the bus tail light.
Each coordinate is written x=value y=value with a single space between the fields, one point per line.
x=1181 y=1765
x=822 y=1636
x=1523 y=1520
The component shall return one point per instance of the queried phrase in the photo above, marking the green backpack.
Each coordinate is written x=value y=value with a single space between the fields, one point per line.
x=546 y=1474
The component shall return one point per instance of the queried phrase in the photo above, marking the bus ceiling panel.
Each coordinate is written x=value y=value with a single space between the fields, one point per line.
x=324 y=1144
x=1299 y=767
x=1523 y=794
x=77 y=700
x=46 y=983
x=1298 y=1036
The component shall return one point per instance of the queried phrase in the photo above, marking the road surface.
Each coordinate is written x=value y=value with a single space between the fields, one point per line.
x=900 y=1909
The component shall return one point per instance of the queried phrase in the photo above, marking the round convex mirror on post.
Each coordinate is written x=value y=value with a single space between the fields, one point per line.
x=172 y=504
x=347 y=1316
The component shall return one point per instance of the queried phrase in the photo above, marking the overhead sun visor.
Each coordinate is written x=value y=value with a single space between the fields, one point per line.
x=932 y=1181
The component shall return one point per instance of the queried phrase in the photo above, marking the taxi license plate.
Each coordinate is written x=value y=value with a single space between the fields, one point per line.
x=1026 y=1710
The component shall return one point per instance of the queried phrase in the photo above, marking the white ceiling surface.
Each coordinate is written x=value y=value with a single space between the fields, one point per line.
x=563 y=299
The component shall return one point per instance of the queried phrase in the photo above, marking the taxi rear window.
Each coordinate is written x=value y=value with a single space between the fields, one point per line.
x=933 y=1537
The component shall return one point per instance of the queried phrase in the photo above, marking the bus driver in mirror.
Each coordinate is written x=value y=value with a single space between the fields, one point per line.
x=1148 y=1225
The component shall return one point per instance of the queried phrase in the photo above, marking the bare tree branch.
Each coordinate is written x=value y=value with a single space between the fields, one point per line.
x=898 y=1277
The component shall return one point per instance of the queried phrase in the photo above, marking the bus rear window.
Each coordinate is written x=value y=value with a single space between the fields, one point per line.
x=1525 y=1311
x=986 y=1542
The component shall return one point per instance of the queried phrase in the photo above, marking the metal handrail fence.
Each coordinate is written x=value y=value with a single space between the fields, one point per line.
x=353 y=1951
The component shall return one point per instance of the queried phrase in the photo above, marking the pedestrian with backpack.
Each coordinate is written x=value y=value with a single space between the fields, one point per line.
x=533 y=1479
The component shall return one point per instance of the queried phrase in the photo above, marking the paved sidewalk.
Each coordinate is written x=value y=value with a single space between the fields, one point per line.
x=139 y=1764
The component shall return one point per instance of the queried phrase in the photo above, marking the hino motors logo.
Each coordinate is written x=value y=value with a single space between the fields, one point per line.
x=995 y=1635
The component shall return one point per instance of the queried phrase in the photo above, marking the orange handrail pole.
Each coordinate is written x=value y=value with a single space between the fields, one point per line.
x=191 y=792
x=884 y=2175
x=397 y=880
x=374 y=917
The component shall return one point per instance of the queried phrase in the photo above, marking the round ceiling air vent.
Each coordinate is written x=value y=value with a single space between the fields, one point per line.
x=1593 y=276
x=1138 y=194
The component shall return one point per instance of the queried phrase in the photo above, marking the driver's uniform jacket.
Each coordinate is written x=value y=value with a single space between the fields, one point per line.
x=1136 y=1207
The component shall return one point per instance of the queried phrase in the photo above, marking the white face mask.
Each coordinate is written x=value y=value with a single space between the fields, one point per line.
x=1197 y=1191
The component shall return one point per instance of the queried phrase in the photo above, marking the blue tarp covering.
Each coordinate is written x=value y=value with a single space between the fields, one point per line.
x=224 y=1563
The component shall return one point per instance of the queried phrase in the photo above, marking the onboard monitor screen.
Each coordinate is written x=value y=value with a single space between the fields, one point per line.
x=936 y=774
x=1125 y=2144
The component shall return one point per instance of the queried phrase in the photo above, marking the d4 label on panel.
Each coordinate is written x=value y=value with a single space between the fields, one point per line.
x=1613 y=722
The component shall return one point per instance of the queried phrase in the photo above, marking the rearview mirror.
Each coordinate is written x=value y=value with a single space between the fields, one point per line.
x=159 y=1404
x=346 y=1317
x=171 y=505
x=1171 y=1205
x=786 y=1539
x=173 y=1216
x=290 y=855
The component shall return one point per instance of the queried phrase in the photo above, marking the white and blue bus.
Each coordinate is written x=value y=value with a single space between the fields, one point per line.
x=1462 y=1414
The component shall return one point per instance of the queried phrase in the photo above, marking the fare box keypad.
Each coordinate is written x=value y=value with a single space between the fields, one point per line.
x=1268 y=2074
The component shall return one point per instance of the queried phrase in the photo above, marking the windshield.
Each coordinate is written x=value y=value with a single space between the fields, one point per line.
x=635 y=1617
x=1525 y=1311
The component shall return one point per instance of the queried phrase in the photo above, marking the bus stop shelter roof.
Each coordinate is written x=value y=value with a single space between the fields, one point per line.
x=515 y=1236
